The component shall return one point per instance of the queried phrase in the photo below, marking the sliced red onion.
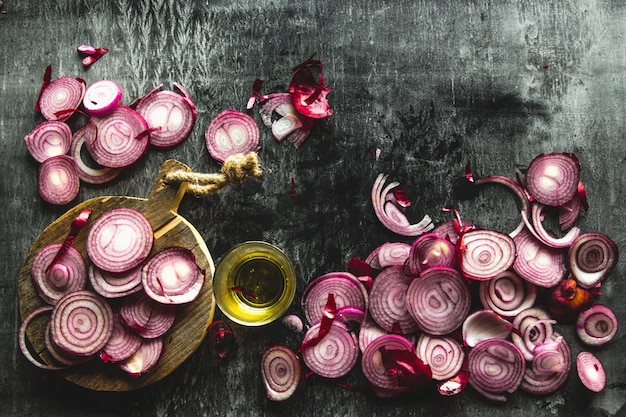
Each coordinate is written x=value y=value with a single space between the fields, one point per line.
x=231 y=132
x=496 y=367
x=369 y=331
x=374 y=368
x=58 y=180
x=351 y=316
x=536 y=262
x=94 y=56
x=591 y=257
x=122 y=344
x=391 y=215
x=534 y=327
x=147 y=317
x=590 y=371
x=430 y=250
x=442 y=354
x=293 y=323
x=483 y=254
x=454 y=385
x=61 y=95
x=114 y=285
x=81 y=323
x=256 y=90
x=439 y=300
x=547 y=357
x=120 y=138
x=308 y=92
x=63 y=277
x=62 y=357
x=172 y=276
x=507 y=294
x=102 y=97
x=387 y=301
x=543 y=383
x=87 y=173
x=542 y=234
x=145 y=357
x=75 y=227
x=334 y=355
x=389 y=254
x=485 y=324
x=171 y=116
x=552 y=179
x=119 y=240
x=24 y=346
x=278 y=112
x=347 y=290
x=571 y=211
x=281 y=372
x=596 y=325
x=49 y=138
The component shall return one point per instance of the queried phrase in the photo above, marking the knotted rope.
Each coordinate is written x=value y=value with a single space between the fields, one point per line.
x=234 y=171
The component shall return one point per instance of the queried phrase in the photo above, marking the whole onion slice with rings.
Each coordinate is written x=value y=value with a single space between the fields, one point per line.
x=149 y=318
x=60 y=96
x=387 y=301
x=88 y=170
x=334 y=355
x=591 y=257
x=596 y=325
x=483 y=254
x=58 y=180
x=67 y=275
x=119 y=240
x=534 y=327
x=390 y=214
x=122 y=344
x=145 y=357
x=537 y=262
x=102 y=97
x=374 y=368
x=170 y=115
x=552 y=179
x=114 y=285
x=81 y=323
x=430 y=250
x=121 y=137
x=496 y=367
x=590 y=371
x=347 y=290
x=442 y=354
x=49 y=138
x=543 y=383
x=281 y=372
x=172 y=276
x=507 y=294
x=231 y=132
x=439 y=300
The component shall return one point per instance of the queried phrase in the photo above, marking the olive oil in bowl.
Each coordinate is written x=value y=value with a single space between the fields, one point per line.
x=254 y=283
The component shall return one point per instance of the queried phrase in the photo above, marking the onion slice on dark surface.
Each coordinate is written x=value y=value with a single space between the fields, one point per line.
x=102 y=97
x=278 y=113
x=536 y=227
x=49 y=138
x=119 y=139
x=145 y=357
x=149 y=318
x=552 y=179
x=544 y=383
x=81 y=323
x=442 y=354
x=122 y=344
x=484 y=324
x=281 y=372
x=483 y=254
x=114 y=285
x=596 y=325
x=119 y=240
x=534 y=327
x=334 y=355
x=537 y=262
x=591 y=257
x=387 y=301
x=231 y=132
x=58 y=180
x=430 y=250
x=172 y=276
x=439 y=300
x=507 y=294
x=496 y=367
x=61 y=95
x=65 y=276
x=87 y=172
x=590 y=371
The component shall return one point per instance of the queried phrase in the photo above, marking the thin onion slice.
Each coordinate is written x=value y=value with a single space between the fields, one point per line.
x=430 y=250
x=308 y=92
x=278 y=112
x=537 y=262
x=387 y=301
x=334 y=355
x=281 y=372
x=61 y=96
x=119 y=240
x=590 y=371
x=147 y=317
x=86 y=172
x=534 y=327
x=591 y=257
x=596 y=325
x=442 y=354
x=484 y=324
x=231 y=132
x=507 y=294
x=546 y=383
x=496 y=367
x=58 y=180
x=114 y=285
x=374 y=368
x=102 y=97
x=536 y=227
x=49 y=138
x=62 y=357
x=145 y=357
x=122 y=344
x=55 y=281
x=552 y=179
x=369 y=331
x=172 y=276
x=483 y=254
x=24 y=346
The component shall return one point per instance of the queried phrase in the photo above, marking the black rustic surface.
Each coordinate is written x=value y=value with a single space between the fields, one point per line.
x=431 y=83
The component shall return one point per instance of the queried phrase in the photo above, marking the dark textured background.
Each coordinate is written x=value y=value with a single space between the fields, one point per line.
x=432 y=83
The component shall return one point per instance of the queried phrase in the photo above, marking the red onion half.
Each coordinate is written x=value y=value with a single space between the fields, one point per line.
x=483 y=254
x=58 y=180
x=387 y=301
x=49 y=138
x=591 y=257
x=61 y=95
x=102 y=97
x=507 y=294
x=334 y=355
x=281 y=372
x=63 y=277
x=231 y=132
x=552 y=179
x=596 y=325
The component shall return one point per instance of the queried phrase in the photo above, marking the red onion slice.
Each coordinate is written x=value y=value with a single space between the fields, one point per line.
x=507 y=294
x=591 y=257
x=393 y=254
x=114 y=285
x=373 y=367
x=536 y=262
x=24 y=346
x=308 y=92
x=439 y=300
x=369 y=331
x=231 y=132
x=61 y=95
x=147 y=317
x=62 y=357
x=484 y=324
x=58 y=180
x=67 y=275
x=334 y=355
x=49 y=138
x=534 y=327
x=542 y=234
x=449 y=230
x=281 y=372
x=82 y=323
x=119 y=240
x=483 y=254
x=442 y=354
x=172 y=276
x=387 y=301
x=120 y=138
x=278 y=112
x=552 y=179
x=145 y=357
x=86 y=172
x=102 y=97
x=122 y=344
x=590 y=371
x=571 y=211
x=390 y=215
x=496 y=366
x=430 y=250
x=543 y=383
x=596 y=325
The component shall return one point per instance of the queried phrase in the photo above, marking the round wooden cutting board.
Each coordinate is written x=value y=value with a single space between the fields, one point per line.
x=170 y=229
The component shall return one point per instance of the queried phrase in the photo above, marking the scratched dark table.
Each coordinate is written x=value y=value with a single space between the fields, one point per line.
x=432 y=84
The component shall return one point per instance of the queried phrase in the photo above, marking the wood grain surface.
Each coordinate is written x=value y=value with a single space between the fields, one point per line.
x=431 y=84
